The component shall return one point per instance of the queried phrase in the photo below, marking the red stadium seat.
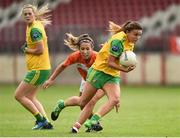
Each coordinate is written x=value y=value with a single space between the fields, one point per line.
x=93 y=14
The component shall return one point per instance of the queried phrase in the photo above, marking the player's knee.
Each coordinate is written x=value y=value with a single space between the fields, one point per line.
x=96 y=98
x=81 y=107
x=17 y=97
x=31 y=98
x=82 y=103
x=100 y=93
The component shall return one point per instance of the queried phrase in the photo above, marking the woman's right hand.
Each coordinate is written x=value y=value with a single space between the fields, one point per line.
x=47 y=83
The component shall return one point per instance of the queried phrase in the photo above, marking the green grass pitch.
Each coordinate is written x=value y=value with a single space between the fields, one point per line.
x=146 y=111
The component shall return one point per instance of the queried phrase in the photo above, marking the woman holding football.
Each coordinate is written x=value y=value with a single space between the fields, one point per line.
x=104 y=73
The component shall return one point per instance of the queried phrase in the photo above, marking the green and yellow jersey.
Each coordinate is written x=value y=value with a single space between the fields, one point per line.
x=34 y=34
x=114 y=46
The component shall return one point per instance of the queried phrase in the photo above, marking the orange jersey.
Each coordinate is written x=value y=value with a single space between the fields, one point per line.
x=82 y=64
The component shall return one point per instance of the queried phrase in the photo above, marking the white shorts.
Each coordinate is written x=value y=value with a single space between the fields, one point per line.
x=82 y=85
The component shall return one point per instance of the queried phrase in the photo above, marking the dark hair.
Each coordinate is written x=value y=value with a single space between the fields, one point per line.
x=85 y=38
x=131 y=25
x=126 y=27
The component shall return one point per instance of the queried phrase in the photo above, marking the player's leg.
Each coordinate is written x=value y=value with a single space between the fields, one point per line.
x=90 y=106
x=40 y=77
x=93 y=83
x=32 y=96
x=30 y=85
x=99 y=94
x=71 y=101
x=113 y=93
x=89 y=92
x=20 y=95
x=81 y=89
x=61 y=104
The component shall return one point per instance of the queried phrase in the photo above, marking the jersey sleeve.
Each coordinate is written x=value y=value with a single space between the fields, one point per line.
x=116 y=48
x=71 y=59
x=36 y=35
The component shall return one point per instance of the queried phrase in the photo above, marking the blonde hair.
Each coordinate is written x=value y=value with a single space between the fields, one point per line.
x=74 y=42
x=40 y=14
x=126 y=27
x=114 y=28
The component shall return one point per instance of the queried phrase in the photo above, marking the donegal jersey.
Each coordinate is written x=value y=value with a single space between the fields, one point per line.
x=114 y=46
x=34 y=34
x=82 y=64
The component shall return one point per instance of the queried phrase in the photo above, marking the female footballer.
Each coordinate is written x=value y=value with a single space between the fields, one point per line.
x=37 y=62
x=105 y=72
x=83 y=57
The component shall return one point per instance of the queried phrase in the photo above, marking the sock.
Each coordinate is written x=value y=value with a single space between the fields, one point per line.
x=45 y=117
x=90 y=116
x=77 y=126
x=95 y=117
x=61 y=104
x=39 y=117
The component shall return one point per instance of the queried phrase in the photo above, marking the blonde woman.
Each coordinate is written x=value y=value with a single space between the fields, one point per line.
x=104 y=73
x=83 y=57
x=37 y=62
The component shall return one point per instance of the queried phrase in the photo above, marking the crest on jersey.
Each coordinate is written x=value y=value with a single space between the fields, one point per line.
x=115 y=48
x=35 y=35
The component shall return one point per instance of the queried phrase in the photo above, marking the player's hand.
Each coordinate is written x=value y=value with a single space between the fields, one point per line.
x=47 y=83
x=128 y=69
x=24 y=47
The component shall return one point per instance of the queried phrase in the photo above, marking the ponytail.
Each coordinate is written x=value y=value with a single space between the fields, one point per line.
x=114 y=28
x=126 y=27
x=74 y=43
x=71 y=42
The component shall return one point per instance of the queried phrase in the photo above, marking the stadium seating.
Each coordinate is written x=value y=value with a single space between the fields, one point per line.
x=6 y=3
x=98 y=12
x=93 y=15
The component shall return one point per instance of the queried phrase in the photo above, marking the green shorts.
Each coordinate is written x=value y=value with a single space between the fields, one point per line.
x=36 y=77
x=98 y=78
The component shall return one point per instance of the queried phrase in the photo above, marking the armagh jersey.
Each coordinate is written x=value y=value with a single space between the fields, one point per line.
x=114 y=46
x=34 y=34
x=82 y=64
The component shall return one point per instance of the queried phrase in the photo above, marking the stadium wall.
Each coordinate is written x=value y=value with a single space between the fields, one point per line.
x=151 y=69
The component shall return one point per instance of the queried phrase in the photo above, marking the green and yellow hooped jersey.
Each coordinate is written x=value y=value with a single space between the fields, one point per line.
x=34 y=34
x=114 y=46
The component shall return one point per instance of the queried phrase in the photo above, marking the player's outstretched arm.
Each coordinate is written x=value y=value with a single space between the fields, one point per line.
x=51 y=79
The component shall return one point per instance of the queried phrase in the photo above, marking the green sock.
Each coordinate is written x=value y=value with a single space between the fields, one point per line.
x=39 y=117
x=61 y=104
x=95 y=117
x=45 y=118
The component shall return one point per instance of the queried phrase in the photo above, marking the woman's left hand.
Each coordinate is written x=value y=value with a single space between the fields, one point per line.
x=129 y=68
